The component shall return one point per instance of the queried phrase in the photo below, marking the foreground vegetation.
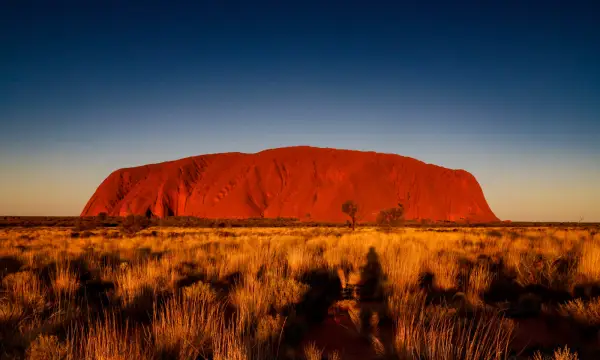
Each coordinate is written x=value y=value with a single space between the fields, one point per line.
x=300 y=293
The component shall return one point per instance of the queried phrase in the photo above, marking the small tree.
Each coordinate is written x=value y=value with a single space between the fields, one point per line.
x=100 y=219
x=85 y=223
x=102 y=216
x=350 y=208
x=132 y=224
x=391 y=217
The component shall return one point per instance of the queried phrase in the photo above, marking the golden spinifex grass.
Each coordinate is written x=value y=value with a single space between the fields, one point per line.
x=260 y=293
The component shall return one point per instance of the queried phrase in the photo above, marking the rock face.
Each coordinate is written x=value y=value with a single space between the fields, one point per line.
x=302 y=182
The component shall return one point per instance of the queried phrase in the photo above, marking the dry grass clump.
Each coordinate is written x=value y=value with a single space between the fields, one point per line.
x=312 y=352
x=559 y=354
x=445 y=270
x=47 y=347
x=232 y=345
x=200 y=292
x=584 y=312
x=26 y=288
x=23 y=302
x=137 y=280
x=269 y=328
x=403 y=264
x=65 y=282
x=13 y=317
x=589 y=262
x=111 y=339
x=301 y=259
x=378 y=346
x=334 y=355
x=443 y=335
x=183 y=328
x=236 y=341
x=553 y=271
x=480 y=280
x=405 y=302
x=11 y=313
x=255 y=298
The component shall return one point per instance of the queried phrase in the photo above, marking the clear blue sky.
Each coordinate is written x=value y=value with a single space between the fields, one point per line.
x=509 y=91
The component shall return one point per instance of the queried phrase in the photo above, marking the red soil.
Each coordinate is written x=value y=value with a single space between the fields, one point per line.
x=299 y=182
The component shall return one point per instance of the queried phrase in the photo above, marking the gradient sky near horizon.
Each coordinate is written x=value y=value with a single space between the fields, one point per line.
x=507 y=90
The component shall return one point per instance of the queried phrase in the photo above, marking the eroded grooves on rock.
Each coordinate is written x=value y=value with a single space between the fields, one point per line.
x=300 y=182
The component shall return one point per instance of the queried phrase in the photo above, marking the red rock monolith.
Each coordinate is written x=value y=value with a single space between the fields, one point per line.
x=300 y=182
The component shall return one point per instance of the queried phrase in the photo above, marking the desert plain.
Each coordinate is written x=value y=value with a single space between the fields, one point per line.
x=300 y=293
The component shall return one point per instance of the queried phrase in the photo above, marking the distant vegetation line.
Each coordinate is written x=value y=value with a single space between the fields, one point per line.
x=188 y=221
